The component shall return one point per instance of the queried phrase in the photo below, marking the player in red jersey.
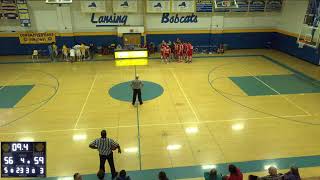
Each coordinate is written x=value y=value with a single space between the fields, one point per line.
x=162 y=47
x=189 y=52
x=185 y=52
x=176 y=48
x=180 y=52
x=167 y=51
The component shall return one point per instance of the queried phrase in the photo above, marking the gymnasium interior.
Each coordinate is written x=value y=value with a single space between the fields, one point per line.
x=247 y=95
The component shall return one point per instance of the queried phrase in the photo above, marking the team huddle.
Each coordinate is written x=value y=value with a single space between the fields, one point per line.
x=181 y=51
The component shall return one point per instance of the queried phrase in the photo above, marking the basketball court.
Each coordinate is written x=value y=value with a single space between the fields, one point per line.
x=208 y=114
x=256 y=105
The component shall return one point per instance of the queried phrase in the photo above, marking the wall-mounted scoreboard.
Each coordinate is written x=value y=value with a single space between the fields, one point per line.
x=23 y=159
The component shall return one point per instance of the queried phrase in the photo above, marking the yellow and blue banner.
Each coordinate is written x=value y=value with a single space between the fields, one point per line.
x=204 y=5
x=36 y=38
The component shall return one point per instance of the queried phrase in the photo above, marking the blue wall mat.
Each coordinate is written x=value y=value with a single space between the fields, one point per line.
x=288 y=44
x=254 y=40
x=195 y=39
x=234 y=40
x=246 y=40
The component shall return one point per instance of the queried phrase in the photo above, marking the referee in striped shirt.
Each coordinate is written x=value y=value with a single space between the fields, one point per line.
x=105 y=146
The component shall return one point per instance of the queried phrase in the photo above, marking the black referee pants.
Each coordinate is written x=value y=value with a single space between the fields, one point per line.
x=103 y=159
x=136 y=92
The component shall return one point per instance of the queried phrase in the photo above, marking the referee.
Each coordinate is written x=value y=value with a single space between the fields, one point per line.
x=136 y=86
x=105 y=146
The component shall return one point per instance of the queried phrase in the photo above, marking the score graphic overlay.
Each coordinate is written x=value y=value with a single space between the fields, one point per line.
x=23 y=159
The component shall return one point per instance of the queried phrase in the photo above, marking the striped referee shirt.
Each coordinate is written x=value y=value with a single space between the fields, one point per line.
x=104 y=145
x=136 y=84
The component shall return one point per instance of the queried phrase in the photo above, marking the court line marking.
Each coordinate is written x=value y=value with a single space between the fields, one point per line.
x=156 y=124
x=85 y=102
x=185 y=96
x=10 y=81
x=281 y=95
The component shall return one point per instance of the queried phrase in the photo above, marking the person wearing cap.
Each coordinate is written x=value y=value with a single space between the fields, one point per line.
x=136 y=86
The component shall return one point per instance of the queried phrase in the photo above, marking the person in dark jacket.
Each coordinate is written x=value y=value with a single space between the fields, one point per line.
x=293 y=174
x=162 y=176
x=123 y=176
x=235 y=173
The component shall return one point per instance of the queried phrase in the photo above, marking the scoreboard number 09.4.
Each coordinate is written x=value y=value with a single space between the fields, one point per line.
x=23 y=159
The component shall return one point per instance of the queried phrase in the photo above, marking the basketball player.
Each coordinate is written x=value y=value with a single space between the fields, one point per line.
x=167 y=51
x=78 y=52
x=176 y=48
x=180 y=52
x=83 y=51
x=189 y=53
x=65 y=52
x=162 y=46
x=72 y=55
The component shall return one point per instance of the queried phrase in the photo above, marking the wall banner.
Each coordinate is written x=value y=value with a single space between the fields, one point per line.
x=93 y=6
x=158 y=6
x=204 y=5
x=179 y=6
x=125 y=6
x=36 y=38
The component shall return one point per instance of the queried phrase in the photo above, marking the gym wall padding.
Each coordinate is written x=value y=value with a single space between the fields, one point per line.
x=245 y=40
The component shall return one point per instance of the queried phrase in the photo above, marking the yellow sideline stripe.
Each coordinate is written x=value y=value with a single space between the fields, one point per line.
x=15 y=34
x=287 y=33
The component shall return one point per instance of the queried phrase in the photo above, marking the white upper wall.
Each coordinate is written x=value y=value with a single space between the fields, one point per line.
x=69 y=18
x=291 y=18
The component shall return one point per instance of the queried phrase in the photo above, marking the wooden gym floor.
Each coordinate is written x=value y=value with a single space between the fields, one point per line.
x=244 y=106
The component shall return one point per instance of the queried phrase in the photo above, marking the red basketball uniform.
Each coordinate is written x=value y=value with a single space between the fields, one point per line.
x=185 y=49
x=166 y=51
x=180 y=52
x=162 y=50
x=190 y=50
x=176 y=49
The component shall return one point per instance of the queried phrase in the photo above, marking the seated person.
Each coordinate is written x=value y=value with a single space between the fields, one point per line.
x=119 y=46
x=77 y=176
x=293 y=174
x=220 y=50
x=273 y=174
x=213 y=175
x=35 y=54
x=235 y=173
x=123 y=176
x=162 y=176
